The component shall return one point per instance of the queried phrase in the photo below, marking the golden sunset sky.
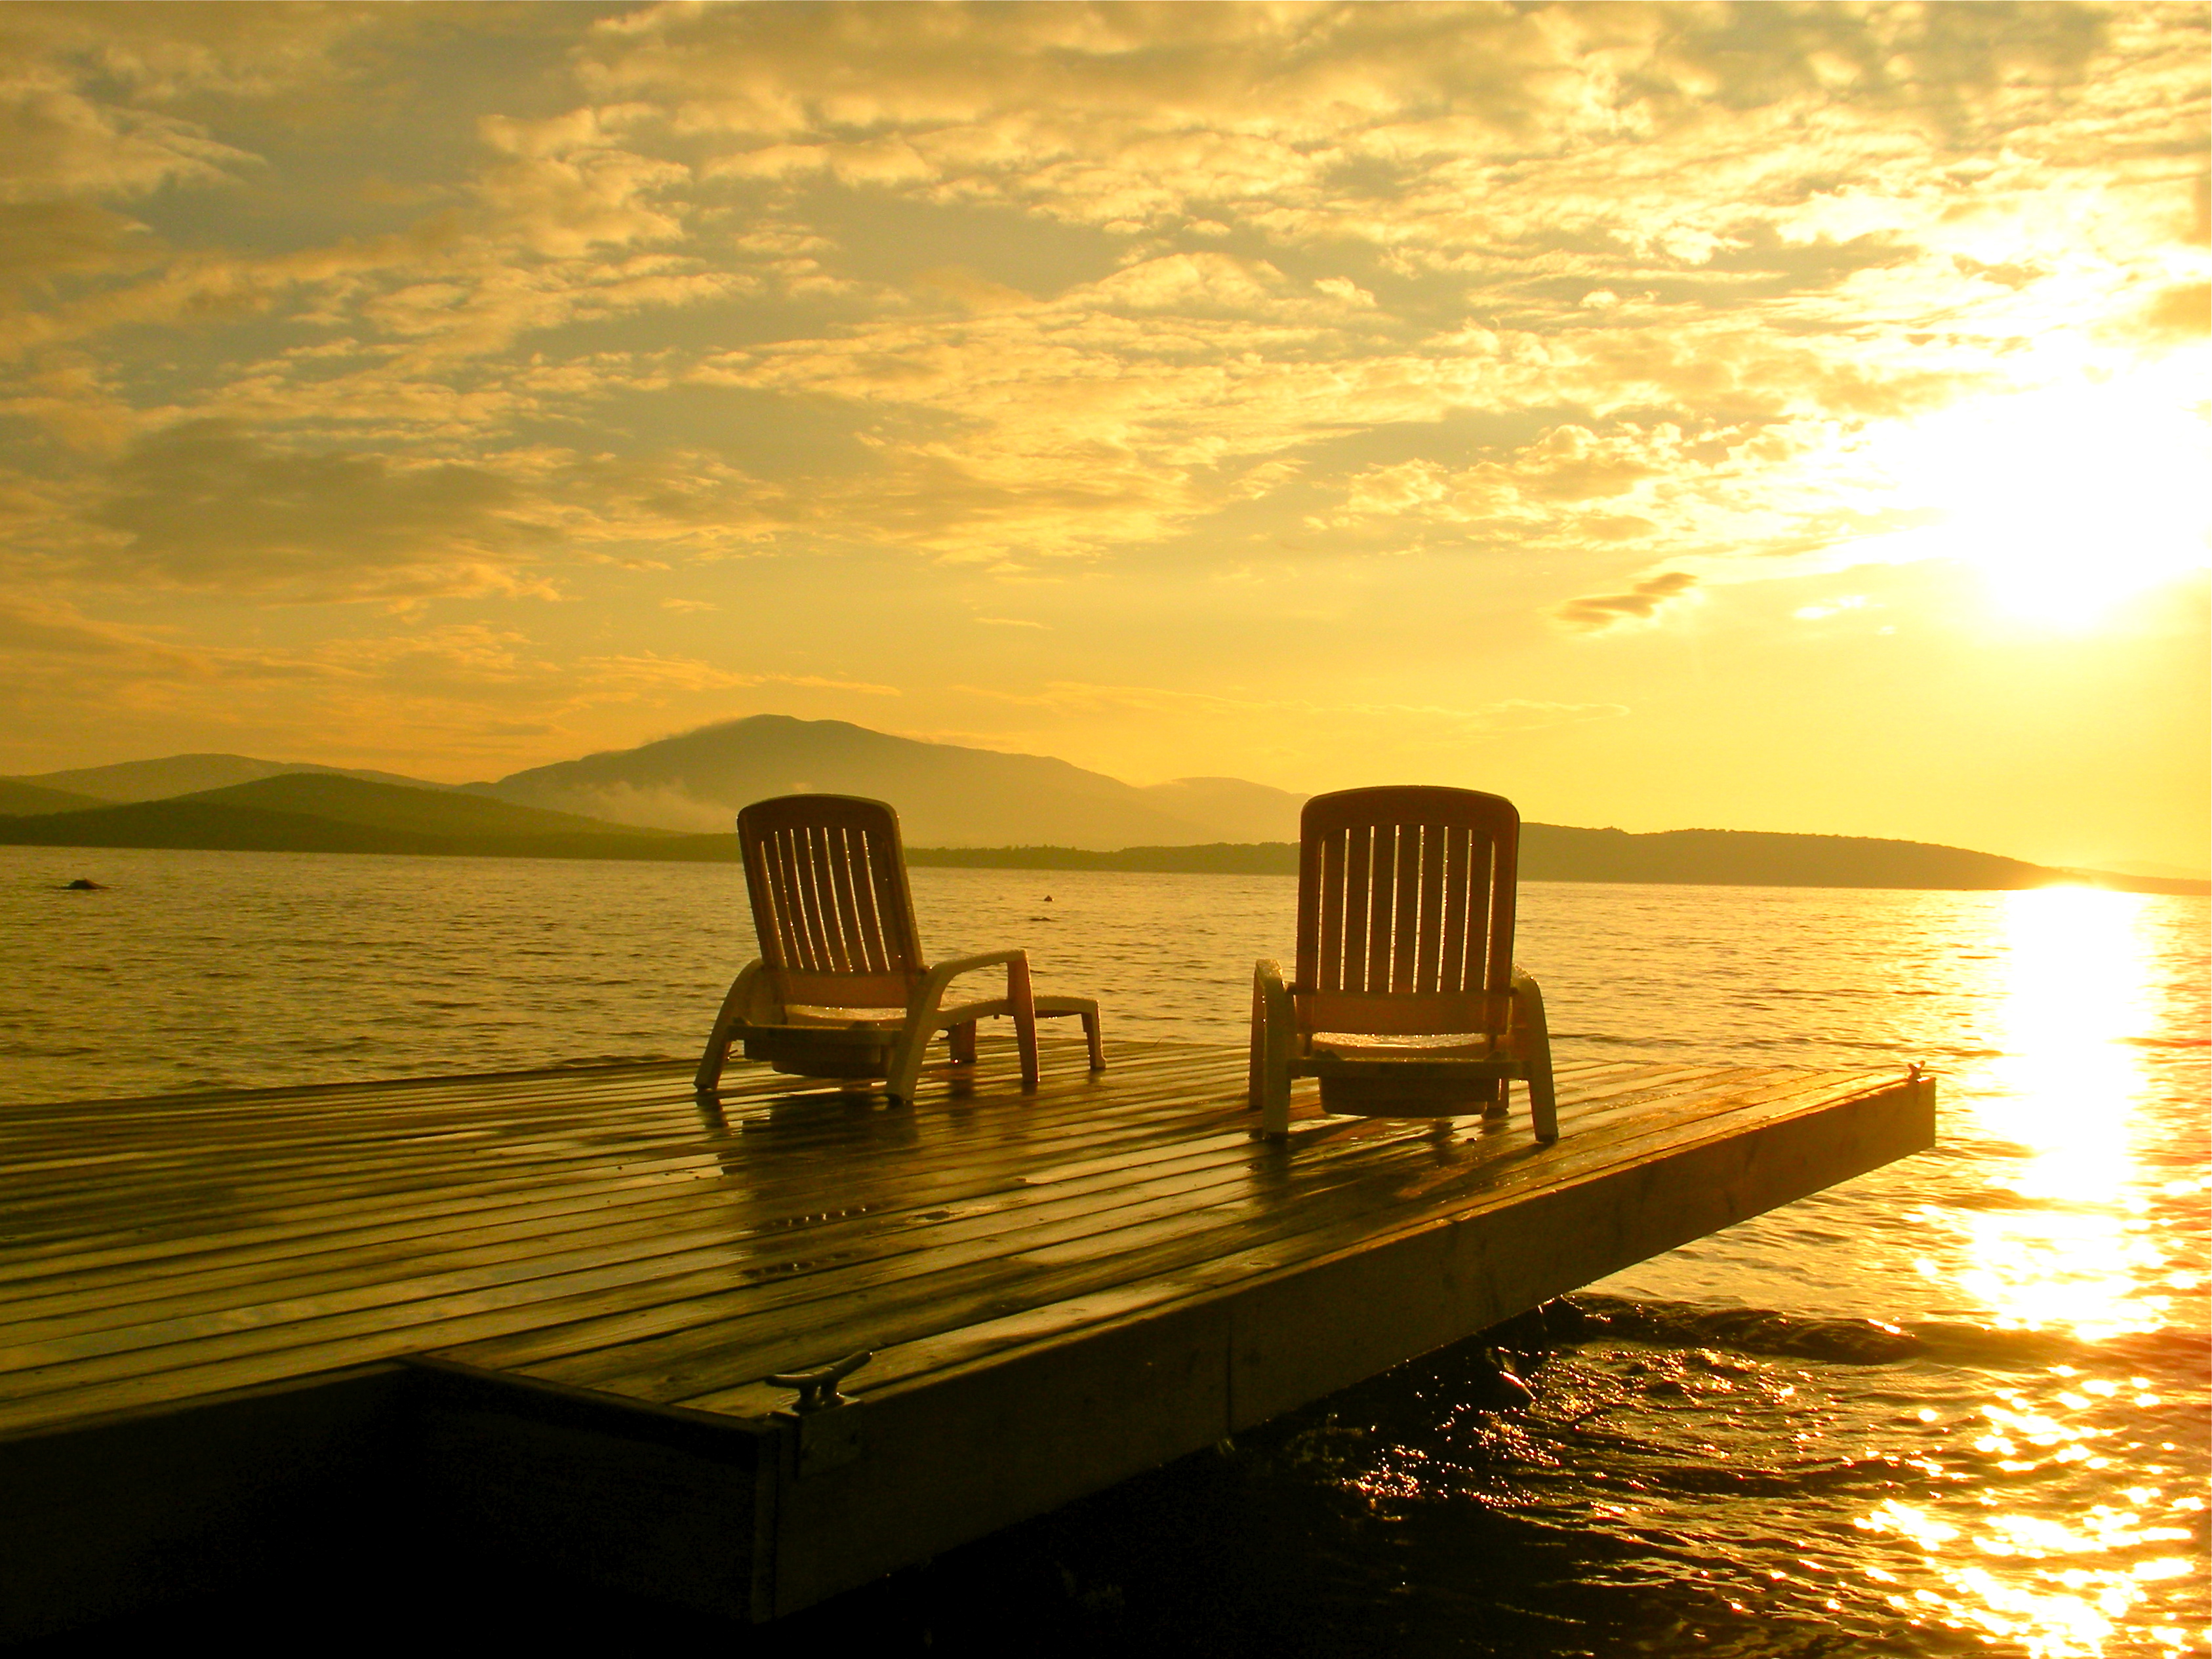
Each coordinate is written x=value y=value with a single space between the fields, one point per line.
x=1771 y=417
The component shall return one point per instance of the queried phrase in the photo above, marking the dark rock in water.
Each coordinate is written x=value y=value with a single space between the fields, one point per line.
x=84 y=884
x=1499 y=1386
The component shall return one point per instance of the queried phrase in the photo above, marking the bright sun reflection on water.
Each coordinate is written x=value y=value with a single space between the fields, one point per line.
x=2075 y=986
x=2071 y=973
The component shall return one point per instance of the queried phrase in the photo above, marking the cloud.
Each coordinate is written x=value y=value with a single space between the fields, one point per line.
x=1644 y=600
x=1509 y=714
x=81 y=90
x=312 y=306
x=205 y=505
x=42 y=241
x=467 y=688
x=564 y=190
x=43 y=629
x=61 y=144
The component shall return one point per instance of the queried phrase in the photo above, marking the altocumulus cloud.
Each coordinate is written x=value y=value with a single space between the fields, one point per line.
x=1589 y=307
x=205 y=505
x=1643 y=601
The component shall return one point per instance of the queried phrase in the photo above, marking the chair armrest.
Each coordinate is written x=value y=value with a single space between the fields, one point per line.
x=1529 y=1013
x=750 y=1000
x=945 y=972
x=1270 y=994
x=930 y=992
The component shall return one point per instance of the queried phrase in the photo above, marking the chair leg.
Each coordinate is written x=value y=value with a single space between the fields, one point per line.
x=1023 y=999
x=708 y=1076
x=1092 y=1036
x=1275 y=1092
x=1543 y=1104
x=1269 y=1078
x=905 y=1068
x=1256 y=1073
x=1536 y=1056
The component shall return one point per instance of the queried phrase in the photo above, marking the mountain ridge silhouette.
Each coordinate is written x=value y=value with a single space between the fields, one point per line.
x=958 y=806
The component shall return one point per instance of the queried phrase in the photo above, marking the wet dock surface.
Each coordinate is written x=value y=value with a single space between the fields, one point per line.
x=1059 y=1288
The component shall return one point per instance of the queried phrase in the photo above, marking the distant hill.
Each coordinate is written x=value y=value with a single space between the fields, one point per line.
x=1549 y=852
x=209 y=826
x=1750 y=858
x=325 y=813
x=415 y=809
x=19 y=799
x=340 y=815
x=187 y=775
x=946 y=794
x=972 y=807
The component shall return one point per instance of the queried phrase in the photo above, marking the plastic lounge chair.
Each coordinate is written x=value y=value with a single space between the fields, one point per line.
x=841 y=988
x=1406 y=1003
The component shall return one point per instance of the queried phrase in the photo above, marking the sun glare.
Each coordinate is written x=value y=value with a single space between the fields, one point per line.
x=2073 y=980
x=2072 y=499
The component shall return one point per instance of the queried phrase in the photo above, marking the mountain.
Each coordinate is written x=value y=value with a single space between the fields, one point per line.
x=208 y=826
x=958 y=806
x=21 y=799
x=330 y=814
x=187 y=775
x=1751 y=858
x=326 y=813
x=414 y=809
x=946 y=795
x=2171 y=871
x=1551 y=852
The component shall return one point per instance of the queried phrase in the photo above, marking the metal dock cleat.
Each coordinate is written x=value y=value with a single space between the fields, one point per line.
x=826 y=1424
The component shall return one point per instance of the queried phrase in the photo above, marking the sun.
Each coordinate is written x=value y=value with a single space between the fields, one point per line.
x=2071 y=498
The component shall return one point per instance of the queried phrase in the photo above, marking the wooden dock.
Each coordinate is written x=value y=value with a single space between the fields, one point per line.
x=528 y=1318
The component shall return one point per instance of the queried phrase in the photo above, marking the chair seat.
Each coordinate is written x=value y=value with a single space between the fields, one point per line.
x=1087 y=1006
x=813 y=1041
x=1415 y=1081
x=1424 y=1047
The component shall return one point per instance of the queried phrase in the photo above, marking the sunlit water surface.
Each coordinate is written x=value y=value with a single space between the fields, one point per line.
x=1958 y=1405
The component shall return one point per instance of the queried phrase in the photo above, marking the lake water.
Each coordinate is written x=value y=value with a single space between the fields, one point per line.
x=1728 y=1457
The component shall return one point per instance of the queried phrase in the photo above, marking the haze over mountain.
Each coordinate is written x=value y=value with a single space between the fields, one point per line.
x=947 y=795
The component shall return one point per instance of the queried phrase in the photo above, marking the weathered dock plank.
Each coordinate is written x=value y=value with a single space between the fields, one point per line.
x=553 y=1298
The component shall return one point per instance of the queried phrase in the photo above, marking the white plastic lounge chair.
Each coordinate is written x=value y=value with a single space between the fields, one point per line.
x=841 y=988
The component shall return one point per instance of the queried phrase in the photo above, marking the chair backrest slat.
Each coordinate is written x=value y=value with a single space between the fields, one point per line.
x=1406 y=893
x=827 y=877
x=1451 y=953
x=1428 y=948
